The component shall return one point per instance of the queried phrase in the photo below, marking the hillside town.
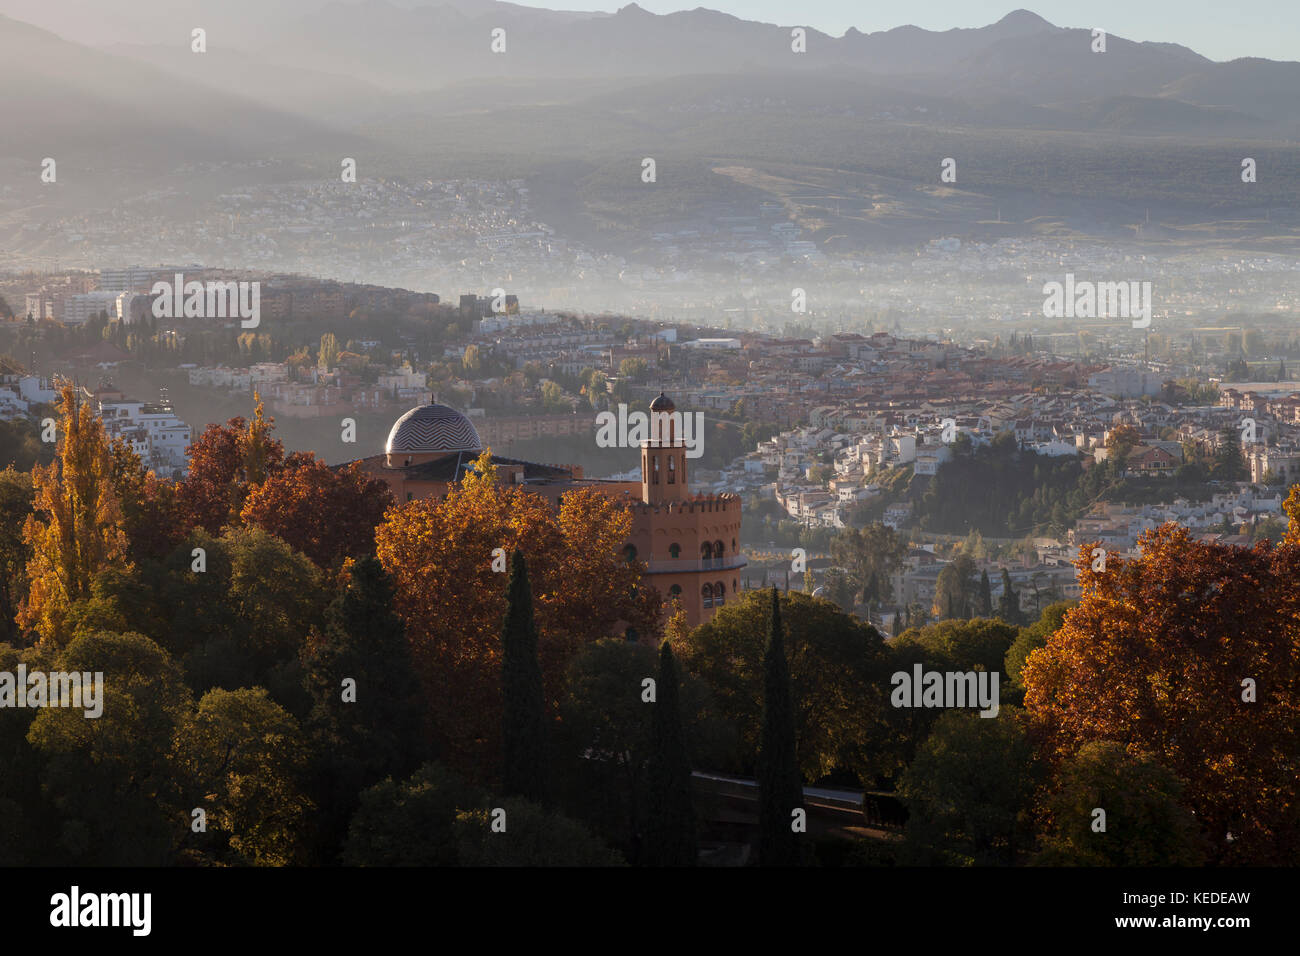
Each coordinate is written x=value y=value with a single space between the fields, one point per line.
x=845 y=428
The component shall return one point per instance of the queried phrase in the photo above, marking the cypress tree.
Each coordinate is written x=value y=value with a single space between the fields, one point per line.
x=984 y=607
x=670 y=821
x=356 y=743
x=779 y=784
x=1008 y=605
x=524 y=712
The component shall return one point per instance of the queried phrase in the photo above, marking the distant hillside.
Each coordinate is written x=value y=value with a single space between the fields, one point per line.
x=66 y=101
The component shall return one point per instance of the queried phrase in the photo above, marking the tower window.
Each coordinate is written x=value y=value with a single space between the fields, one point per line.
x=719 y=594
x=672 y=471
x=707 y=592
x=675 y=551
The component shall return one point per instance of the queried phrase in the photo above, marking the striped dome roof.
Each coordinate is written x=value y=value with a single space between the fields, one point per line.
x=433 y=428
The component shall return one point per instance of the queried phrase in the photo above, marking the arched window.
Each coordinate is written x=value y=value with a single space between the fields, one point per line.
x=675 y=591
x=719 y=594
x=629 y=553
x=654 y=471
x=672 y=470
x=706 y=552
x=733 y=585
x=707 y=591
x=718 y=550
x=675 y=551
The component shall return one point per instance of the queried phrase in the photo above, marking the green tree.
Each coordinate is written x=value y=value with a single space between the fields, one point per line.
x=1229 y=465
x=524 y=716
x=670 y=816
x=110 y=779
x=968 y=790
x=533 y=836
x=975 y=644
x=1009 y=602
x=871 y=552
x=1146 y=823
x=1030 y=639
x=839 y=674
x=371 y=728
x=15 y=506
x=411 y=822
x=954 y=589
x=984 y=597
x=241 y=757
x=779 y=784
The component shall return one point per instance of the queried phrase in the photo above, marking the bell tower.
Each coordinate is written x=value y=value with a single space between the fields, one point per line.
x=663 y=456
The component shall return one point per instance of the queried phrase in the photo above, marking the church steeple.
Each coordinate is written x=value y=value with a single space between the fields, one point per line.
x=663 y=455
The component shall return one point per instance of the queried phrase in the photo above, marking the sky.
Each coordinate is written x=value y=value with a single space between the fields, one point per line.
x=1221 y=31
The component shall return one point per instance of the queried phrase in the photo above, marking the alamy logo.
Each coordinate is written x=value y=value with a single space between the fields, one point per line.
x=57 y=689
x=1098 y=300
x=630 y=429
x=102 y=909
x=923 y=688
x=215 y=300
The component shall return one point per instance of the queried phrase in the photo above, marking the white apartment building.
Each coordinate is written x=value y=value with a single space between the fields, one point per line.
x=153 y=432
x=80 y=309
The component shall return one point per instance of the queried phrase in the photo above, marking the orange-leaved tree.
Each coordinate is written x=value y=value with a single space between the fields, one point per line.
x=76 y=527
x=225 y=461
x=1191 y=653
x=441 y=557
x=326 y=513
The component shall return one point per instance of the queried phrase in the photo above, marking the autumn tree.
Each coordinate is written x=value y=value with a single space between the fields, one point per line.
x=225 y=462
x=76 y=528
x=1121 y=440
x=151 y=514
x=328 y=354
x=326 y=513
x=1189 y=653
x=779 y=783
x=441 y=555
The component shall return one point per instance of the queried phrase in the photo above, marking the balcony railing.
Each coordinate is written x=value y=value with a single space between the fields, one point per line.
x=668 y=565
